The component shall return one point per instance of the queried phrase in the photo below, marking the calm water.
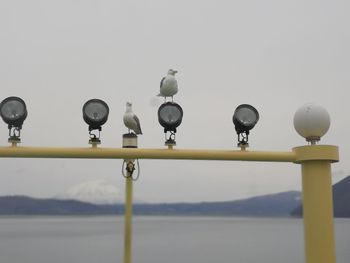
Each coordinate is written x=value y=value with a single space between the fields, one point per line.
x=159 y=240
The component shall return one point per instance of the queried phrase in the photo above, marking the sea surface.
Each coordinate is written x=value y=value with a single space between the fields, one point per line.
x=159 y=240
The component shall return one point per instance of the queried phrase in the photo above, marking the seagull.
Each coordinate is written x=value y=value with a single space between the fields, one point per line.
x=168 y=85
x=130 y=120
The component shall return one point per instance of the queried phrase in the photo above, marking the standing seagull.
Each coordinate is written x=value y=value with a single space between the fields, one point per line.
x=131 y=121
x=168 y=85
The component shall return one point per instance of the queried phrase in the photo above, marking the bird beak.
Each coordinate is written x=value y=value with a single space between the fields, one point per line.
x=175 y=71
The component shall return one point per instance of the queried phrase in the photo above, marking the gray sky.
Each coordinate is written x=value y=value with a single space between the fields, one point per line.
x=275 y=55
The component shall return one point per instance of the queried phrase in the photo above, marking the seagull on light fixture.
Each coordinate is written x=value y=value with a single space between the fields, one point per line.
x=168 y=85
x=130 y=120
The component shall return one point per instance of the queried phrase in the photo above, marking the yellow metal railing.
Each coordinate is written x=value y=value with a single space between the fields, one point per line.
x=315 y=162
x=135 y=153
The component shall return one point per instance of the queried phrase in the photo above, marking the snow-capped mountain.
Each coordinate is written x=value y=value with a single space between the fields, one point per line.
x=95 y=191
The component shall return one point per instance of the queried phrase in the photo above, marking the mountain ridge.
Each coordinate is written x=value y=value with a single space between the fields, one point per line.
x=284 y=204
x=279 y=204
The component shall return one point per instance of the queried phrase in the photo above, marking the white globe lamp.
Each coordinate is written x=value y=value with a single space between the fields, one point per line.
x=311 y=121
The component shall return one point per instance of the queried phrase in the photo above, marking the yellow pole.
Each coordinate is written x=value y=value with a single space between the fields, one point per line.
x=318 y=202
x=318 y=212
x=128 y=216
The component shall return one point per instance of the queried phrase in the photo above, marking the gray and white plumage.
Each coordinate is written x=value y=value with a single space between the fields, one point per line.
x=130 y=120
x=168 y=85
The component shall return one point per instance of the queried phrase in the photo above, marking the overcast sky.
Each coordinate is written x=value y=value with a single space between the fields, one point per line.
x=273 y=54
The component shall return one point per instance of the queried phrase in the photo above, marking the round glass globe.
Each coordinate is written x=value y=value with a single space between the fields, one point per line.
x=311 y=121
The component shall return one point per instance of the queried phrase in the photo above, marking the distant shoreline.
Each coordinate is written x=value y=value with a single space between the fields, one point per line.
x=279 y=205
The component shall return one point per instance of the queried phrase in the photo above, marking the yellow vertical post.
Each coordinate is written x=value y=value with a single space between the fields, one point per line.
x=129 y=141
x=318 y=212
x=128 y=218
x=318 y=201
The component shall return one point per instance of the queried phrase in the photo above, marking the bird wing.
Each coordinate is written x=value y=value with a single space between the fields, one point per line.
x=137 y=121
x=161 y=82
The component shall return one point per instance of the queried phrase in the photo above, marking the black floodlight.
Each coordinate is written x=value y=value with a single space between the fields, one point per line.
x=244 y=118
x=95 y=114
x=170 y=117
x=13 y=111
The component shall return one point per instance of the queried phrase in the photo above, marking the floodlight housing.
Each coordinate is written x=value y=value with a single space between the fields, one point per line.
x=245 y=118
x=95 y=113
x=13 y=111
x=170 y=116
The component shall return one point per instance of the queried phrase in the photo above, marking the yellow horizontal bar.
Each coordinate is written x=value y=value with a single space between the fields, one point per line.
x=127 y=153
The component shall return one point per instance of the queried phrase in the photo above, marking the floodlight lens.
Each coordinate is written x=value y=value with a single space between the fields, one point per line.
x=245 y=118
x=170 y=115
x=95 y=113
x=13 y=111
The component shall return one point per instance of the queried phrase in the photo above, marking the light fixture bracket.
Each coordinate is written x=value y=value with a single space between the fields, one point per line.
x=243 y=139
x=170 y=139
